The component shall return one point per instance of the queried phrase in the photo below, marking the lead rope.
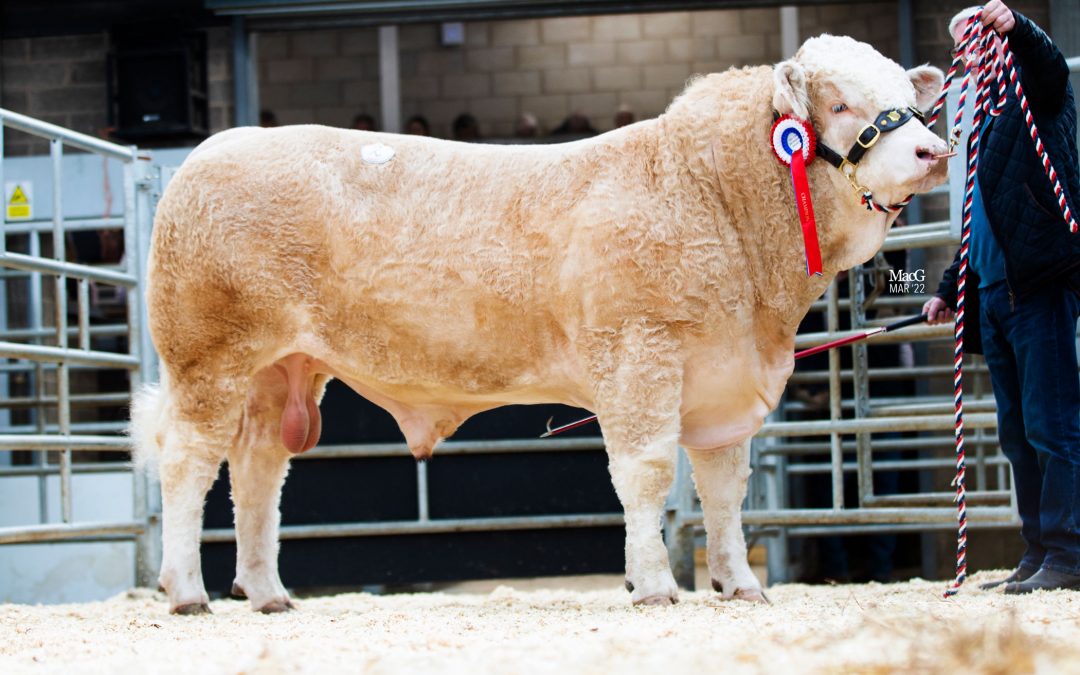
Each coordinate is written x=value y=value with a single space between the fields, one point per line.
x=988 y=68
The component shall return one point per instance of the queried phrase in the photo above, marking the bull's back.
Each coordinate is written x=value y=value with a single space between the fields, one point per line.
x=446 y=249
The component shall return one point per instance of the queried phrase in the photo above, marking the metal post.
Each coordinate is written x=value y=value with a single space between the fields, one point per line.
x=245 y=103
x=776 y=547
x=789 y=31
x=63 y=375
x=140 y=189
x=906 y=29
x=422 y=505
x=83 y=302
x=5 y=379
x=861 y=385
x=56 y=154
x=678 y=535
x=63 y=399
x=836 y=455
x=37 y=383
x=389 y=79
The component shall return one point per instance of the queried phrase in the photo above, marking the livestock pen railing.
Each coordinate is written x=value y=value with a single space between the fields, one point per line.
x=59 y=340
x=424 y=523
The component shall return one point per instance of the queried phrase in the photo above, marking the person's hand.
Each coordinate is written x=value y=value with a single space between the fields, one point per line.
x=937 y=311
x=996 y=15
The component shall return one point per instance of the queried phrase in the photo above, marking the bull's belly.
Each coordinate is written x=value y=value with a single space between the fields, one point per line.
x=427 y=413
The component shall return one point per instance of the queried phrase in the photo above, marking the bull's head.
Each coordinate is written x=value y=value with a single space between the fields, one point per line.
x=842 y=86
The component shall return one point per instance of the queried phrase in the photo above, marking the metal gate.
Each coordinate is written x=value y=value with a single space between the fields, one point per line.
x=54 y=339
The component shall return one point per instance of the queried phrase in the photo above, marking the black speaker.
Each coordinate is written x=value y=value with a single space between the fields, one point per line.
x=161 y=90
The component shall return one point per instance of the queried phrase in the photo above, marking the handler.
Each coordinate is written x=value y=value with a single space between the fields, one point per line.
x=1022 y=281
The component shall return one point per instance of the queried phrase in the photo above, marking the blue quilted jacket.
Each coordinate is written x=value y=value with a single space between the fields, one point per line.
x=1019 y=198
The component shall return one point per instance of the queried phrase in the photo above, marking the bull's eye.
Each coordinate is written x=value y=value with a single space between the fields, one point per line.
x=839 y=108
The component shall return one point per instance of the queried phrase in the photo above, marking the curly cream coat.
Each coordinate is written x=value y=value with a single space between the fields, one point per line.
x=653 y=274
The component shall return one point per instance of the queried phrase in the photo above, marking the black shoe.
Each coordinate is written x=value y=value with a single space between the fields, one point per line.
x=1044 y=580
x=1021 y=573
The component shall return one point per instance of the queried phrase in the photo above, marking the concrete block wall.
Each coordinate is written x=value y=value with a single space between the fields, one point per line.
x=322 y=77
x=871 y=22
x=56 y=79
x=62 y=80
x=548 y=67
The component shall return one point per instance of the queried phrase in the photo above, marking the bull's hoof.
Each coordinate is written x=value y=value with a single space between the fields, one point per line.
x=237 y=591
x=752 y=595
x=192 y=609
x=277 y=606
x=717 y=586
x=629 y=585
x=657 y=600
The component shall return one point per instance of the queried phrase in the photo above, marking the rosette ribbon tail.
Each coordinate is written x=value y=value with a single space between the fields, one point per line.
x=805 y=208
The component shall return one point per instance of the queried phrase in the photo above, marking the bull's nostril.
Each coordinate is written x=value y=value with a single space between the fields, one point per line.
x=932 y=155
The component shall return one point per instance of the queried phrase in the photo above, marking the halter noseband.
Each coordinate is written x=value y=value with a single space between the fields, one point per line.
x=887 y=120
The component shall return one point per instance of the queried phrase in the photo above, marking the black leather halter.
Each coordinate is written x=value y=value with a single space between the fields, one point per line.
x=887 y=120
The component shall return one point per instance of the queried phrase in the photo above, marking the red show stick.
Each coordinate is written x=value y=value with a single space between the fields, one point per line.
x=903 y=323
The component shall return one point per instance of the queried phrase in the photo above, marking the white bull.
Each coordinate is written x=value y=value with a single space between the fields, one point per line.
x=654 y=274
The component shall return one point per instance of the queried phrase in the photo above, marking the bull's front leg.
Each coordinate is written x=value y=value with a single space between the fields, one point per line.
x=638 y=390
x=720 y=478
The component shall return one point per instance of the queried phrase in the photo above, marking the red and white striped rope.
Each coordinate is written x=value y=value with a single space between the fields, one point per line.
x=958 y=327
x=867 y=200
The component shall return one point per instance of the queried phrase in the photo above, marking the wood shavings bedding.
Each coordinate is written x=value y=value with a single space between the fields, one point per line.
x=873 y=628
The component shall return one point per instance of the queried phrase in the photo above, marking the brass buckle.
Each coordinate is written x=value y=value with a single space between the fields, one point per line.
x=867 y=146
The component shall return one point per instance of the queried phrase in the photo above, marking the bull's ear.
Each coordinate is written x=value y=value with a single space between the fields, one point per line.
x=789 y=93
x=928 y=81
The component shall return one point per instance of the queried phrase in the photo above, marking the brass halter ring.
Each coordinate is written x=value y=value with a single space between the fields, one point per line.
x=849 y=169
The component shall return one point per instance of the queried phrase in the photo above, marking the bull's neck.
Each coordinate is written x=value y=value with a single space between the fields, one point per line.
x=754 y=213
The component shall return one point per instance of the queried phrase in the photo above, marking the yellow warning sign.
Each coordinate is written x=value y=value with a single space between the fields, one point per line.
x=18 y=198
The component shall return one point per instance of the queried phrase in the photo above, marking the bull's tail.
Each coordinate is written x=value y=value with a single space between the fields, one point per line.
x=146 y=431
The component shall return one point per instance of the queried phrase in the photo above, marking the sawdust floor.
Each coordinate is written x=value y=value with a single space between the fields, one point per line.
x=904 y=627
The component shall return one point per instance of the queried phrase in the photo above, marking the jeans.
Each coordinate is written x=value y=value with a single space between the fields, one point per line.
x=1030 y=349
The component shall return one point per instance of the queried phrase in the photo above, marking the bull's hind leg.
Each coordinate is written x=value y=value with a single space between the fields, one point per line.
x=258 y=464
x=720 y=477
x=638 y=392
x=199 y=426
